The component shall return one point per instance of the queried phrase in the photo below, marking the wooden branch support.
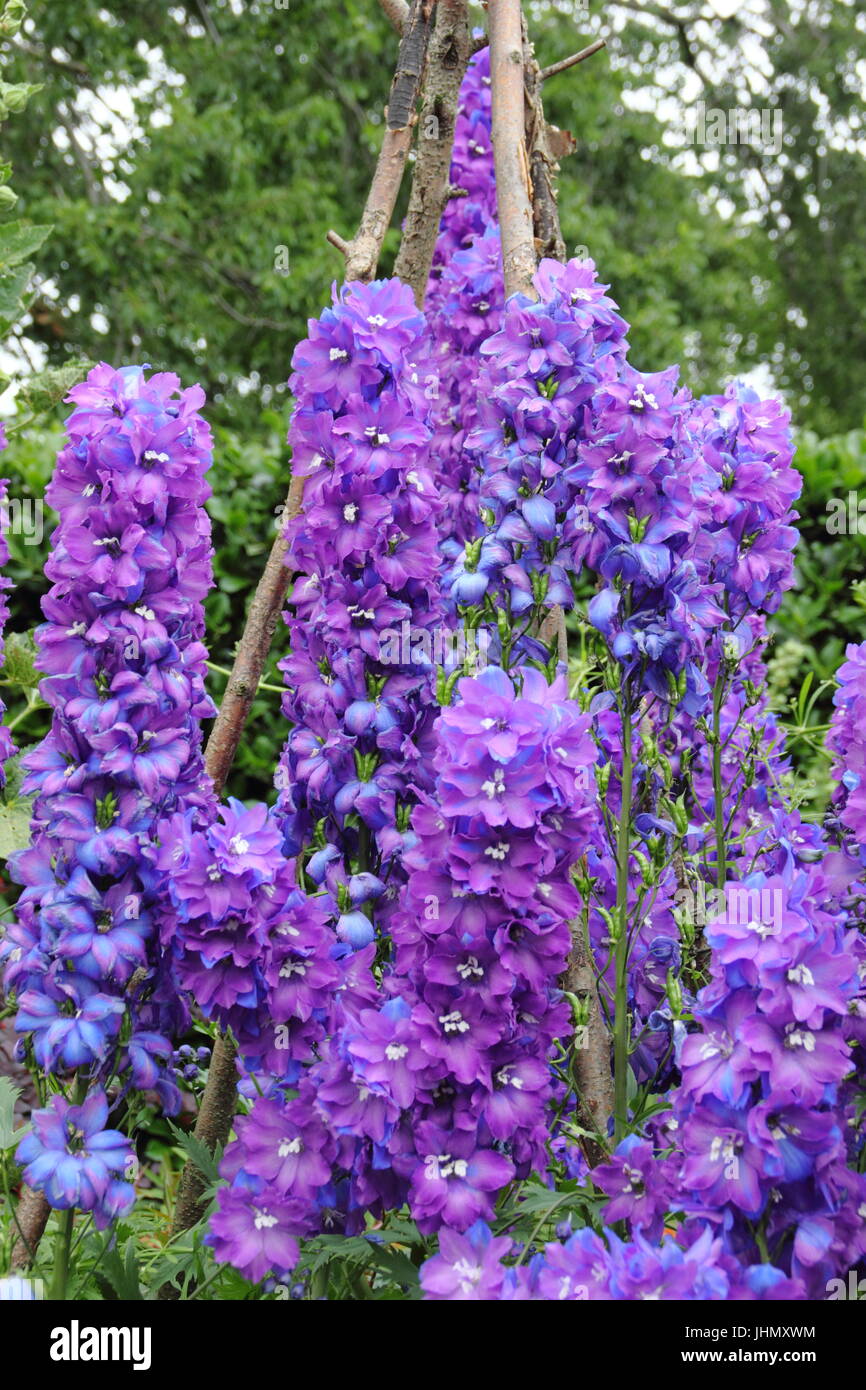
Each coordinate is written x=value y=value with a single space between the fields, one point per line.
x=252 y=652
x=591 y=1066
x=513 y=186
x=543 y=166
x=363 y=251
x=529 y=223
x=31 y=1218
x=397 y=12
x=450 y=50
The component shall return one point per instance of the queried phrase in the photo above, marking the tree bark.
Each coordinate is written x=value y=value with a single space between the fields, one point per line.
x=252 y=652
x=450 y=51
x=212 y=1127
x=363 y=251
x=591 y=1051
x=397 y=12
x=31 y=1219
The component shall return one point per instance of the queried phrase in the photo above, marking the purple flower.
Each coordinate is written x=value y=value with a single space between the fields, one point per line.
x=71 y=1157
x=454 y=1182
x=253 y=1233
x=467 y=1267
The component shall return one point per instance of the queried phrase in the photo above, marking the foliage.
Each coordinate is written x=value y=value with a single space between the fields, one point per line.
x=192 y=143
x=825 y=612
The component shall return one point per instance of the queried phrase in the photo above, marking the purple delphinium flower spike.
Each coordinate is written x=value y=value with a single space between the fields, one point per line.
x=124 y=664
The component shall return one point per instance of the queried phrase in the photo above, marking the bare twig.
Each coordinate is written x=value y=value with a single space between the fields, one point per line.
x=336 y=240
x=212 y=1128
x=553 y=625
x=446 y=65
x=249 y=321
x=513 y=191
x=363 y=251
x=252 y=651
x=207 y=20
x=570 y=62
x=410 y=65
x=542 y=164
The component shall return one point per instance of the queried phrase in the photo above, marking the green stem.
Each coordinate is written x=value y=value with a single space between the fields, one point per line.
x=262 y=685
x=61 y=1257
x=718 y=788
x=32 y=705
x=620 y=1024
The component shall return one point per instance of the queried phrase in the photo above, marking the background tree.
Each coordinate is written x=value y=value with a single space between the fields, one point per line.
x=189 y=155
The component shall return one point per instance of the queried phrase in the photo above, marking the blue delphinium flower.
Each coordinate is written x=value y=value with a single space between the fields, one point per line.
x=72 y=1158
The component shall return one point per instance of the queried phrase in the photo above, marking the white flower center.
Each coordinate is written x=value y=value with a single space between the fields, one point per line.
x=643 y=398
x=801 y=975
x=499 y=851
x=444 y=1166
x=495 y=787
x=263 y=1220
x=292 y=967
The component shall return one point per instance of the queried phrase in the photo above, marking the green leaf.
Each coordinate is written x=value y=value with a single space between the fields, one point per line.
x=44 y=390
x=13 y=284
x=198 y=1154
x=9 y=1136
x=18 y=242
x=395 y=1264
x=166 y=1271
x=15 y=825
x=118 y=1278
x=19 y=664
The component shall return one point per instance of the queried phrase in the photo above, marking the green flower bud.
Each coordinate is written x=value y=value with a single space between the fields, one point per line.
x=674 y=992
x=15 y=95
x=14 y=12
